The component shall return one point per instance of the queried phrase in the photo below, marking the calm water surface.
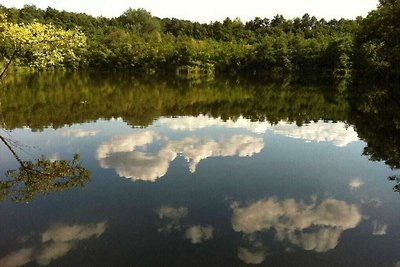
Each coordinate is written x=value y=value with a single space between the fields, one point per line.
x=200 y=173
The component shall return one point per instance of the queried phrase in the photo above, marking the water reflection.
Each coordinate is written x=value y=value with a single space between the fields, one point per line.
x=216 y=127
x=41 y=176
x=313 y=226
x=379 y=228
x=171 y=220
x=56 y=242
x=254 y=255
x=339 y=133
x=192 y=123
x=45 y=100
x=118 y=153
x=171 y=217
x=121 y=153
x=395 y=178
x=79 y=133
x=198 y=234
x=132 y=158
x=48 y=100
x=355 y=183
x=374 y=112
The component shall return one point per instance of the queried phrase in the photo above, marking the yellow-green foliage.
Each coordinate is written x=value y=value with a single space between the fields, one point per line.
x=43 y=45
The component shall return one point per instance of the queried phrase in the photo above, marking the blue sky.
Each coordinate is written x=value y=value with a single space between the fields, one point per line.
x=211 y=10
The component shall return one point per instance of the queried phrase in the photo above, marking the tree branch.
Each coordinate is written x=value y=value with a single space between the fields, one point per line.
x=8 y=64
x=14 y=153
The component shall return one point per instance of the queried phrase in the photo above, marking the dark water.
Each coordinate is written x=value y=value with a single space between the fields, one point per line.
x=200 y=173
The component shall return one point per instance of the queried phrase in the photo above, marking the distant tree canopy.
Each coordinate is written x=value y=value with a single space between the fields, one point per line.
x=138 y=41
x=139 y=21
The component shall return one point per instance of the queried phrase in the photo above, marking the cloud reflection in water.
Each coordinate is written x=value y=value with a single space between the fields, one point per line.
x=119 y=153
x=129 y=156
x=338 y=133
x=316 y=227
x=198 y=234
x=55 y=243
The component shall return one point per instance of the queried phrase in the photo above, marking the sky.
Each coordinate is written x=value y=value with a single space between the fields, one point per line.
x=211 y=10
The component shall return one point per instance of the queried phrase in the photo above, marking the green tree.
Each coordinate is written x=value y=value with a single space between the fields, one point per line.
x=42 y=45
x=378 y=41
x=139 y=21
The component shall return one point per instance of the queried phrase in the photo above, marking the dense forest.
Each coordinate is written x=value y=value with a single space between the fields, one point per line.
x=138 y=41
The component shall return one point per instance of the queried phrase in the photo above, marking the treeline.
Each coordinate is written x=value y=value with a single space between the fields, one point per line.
x=136 y=40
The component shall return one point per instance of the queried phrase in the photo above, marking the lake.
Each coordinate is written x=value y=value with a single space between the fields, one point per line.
x=194 y=172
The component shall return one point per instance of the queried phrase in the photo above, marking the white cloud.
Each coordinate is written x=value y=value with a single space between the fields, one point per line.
x=320 y=240
x=172 y=213
x=17 y=258
x=356 y=183
x=119 y=153
x=198 y=234
x=173 y=216
x=129 y=157
x=338 y=133
x=65 y=233
x=310 y=226
x=379 y=228
x=249 y=256
x=53 y=251
x=126 y=143
x=79 y=133
x=138 y=165
x=56 y=242
x=190 y=123
x=195 y=149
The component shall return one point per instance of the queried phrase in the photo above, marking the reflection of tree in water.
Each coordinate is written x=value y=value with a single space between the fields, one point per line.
x=375 y=114
x=41 y=176
x=39 y=101
x=395 y=178
x=55 y=100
